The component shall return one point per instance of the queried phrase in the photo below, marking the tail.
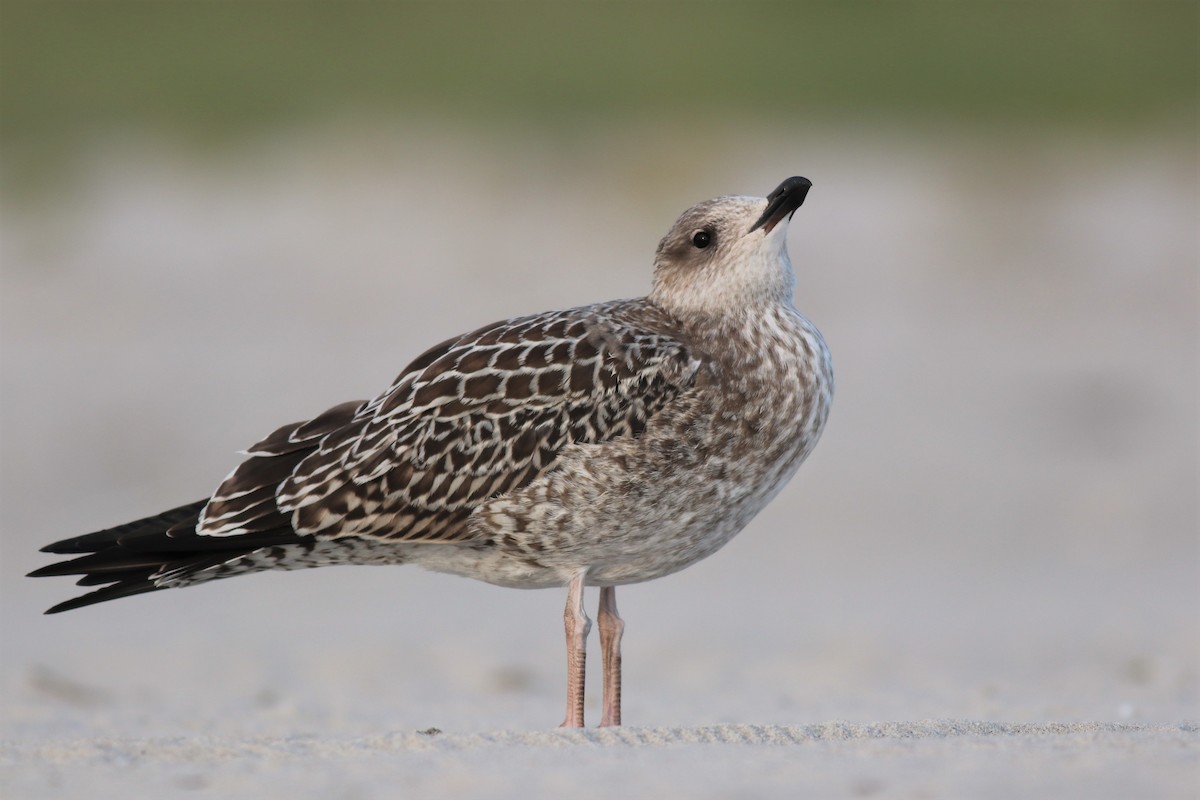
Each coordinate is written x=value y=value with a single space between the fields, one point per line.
x=153 y=553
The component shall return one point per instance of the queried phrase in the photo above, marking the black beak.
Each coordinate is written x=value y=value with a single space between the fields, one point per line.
x=783 y=202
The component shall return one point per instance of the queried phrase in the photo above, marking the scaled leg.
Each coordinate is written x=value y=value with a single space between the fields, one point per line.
x=577 y=625
x=611 y=628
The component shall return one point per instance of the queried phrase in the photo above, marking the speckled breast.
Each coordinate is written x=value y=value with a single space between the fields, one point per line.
x=639 y=508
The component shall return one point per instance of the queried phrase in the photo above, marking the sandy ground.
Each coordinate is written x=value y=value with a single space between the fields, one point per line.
x=983 y=584
x=925 y=759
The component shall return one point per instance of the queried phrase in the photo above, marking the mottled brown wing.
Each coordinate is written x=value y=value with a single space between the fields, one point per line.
x=482 y=415
x=245 y=501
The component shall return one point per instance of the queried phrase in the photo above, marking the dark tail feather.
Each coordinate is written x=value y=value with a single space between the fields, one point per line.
x=131 y=558
x=114 y=559
x=123 y=589
x=157 y=525
x=101 y=578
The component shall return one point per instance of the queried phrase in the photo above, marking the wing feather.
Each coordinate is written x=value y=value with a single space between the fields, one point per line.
x=470 y=419
x=484 y=414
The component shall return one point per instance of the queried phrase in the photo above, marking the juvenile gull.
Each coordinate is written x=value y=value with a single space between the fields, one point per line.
x=596 y=446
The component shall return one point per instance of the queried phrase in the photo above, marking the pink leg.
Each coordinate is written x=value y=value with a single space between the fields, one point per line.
x=578 y=625
x=611 y=628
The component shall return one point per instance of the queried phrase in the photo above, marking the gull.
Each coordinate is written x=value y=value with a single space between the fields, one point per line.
x=599 y=446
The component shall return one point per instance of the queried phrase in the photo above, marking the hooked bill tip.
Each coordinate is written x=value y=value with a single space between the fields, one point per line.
x=783 y=202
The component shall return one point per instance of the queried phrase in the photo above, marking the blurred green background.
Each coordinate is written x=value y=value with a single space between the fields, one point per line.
x=208 y=71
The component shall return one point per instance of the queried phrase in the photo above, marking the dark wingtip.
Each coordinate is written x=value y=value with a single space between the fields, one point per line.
x=103 y=595
x=65 y=605
x=146 y=528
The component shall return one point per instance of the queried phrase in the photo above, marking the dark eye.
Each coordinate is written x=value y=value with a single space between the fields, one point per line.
x=702 y=239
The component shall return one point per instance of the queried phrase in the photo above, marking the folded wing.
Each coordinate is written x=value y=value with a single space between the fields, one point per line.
x=471 y=419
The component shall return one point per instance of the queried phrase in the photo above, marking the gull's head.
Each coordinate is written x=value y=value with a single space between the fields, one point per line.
x=729 y=253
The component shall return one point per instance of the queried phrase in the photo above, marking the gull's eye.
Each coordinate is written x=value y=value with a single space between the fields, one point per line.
x=702 y=239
